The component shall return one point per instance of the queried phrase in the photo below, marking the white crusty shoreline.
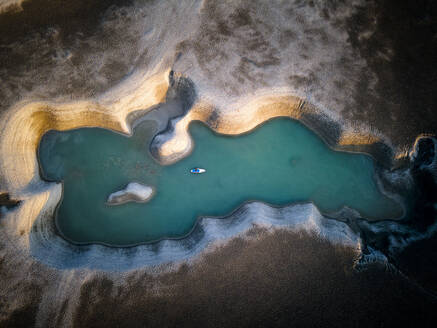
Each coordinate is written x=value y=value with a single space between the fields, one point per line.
x=229 y=85
x=30 y=227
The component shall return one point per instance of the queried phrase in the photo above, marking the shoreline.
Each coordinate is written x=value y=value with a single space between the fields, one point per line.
x=40 y=198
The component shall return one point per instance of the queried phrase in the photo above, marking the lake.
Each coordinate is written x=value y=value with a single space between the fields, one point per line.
x=280 y=162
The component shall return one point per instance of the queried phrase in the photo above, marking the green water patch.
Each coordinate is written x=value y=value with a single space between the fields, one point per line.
x=280 y=162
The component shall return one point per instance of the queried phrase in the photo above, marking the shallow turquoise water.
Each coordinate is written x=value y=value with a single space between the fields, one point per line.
x=280 y=162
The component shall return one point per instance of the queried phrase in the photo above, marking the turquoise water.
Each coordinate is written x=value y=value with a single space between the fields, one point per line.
x=280 y=162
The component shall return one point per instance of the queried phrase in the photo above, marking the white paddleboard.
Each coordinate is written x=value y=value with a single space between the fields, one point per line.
x=197 y=170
